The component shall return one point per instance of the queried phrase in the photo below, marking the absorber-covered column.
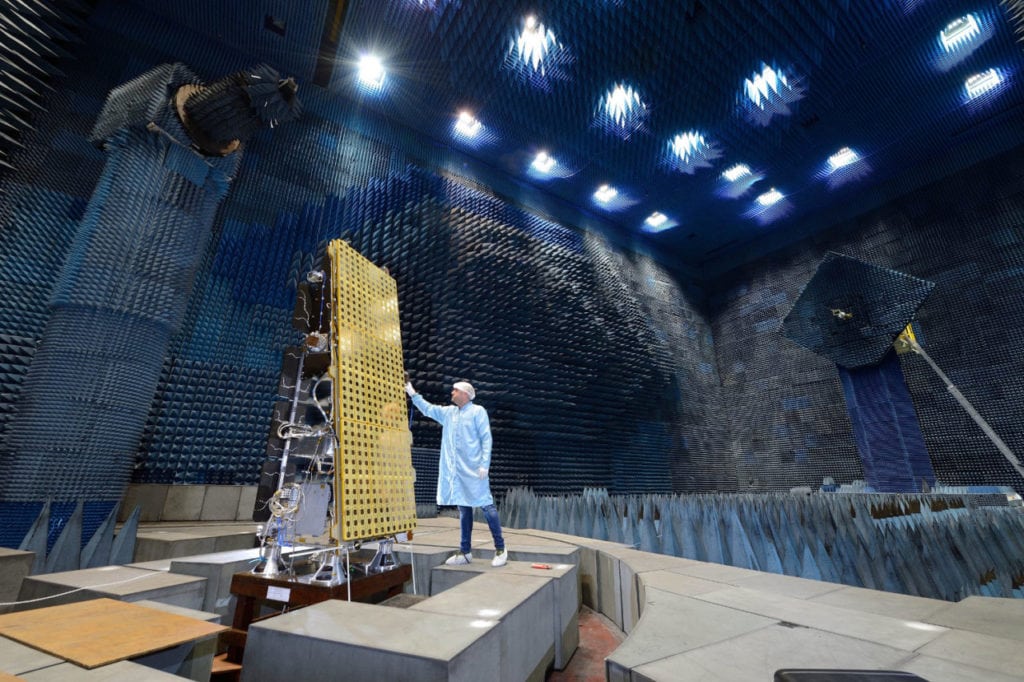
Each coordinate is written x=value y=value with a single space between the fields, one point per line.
x=173 y=146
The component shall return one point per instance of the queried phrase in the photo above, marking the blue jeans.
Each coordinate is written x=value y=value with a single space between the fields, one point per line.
x=466 y=522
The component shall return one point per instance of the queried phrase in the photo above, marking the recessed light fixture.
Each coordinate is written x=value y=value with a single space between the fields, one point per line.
x=658 y=222
x=769 y=93
x=843 y=157
x=983 y=82
x=371 y=71
x=620 y=111
x=656 y=219
x=620 y=102
x=543 y=162
x=770 y=197
x=605 y=193
x=765 y=85
x=533 y=44
x=736 y=172
x=686 y=145
x=467 y=125
x=736 y=180
x=959 y=32
x=690 y=151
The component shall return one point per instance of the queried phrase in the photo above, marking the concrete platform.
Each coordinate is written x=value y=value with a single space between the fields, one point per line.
x=522 y=604
x=14 y=566
x=123 y=671
x=172 y=541
x=114 y=582
x=707 y=622
x=565 y=602
x=353 y=641
x=694 y=620
x=18 y=659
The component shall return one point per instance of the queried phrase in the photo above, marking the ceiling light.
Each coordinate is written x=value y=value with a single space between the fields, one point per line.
x=769 y=93
x=736 y=172
x=843 y=157
x=467 y=125
x=737 y=180
x=958 y=32
x=534 y=43
x=620 y=102
x=371 y=71
x=543 y=162
x=770 y=197
x=690 y=151
x=656 y=219
x=658 y=222
x=605 y=193
x=764 y=85
x=685 y=145
x=981 y=83
x=620 y=111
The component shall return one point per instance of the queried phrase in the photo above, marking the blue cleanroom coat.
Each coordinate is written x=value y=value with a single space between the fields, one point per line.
x=465 y=447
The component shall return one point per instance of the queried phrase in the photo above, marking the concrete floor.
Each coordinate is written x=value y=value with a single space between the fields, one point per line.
x=598 y=638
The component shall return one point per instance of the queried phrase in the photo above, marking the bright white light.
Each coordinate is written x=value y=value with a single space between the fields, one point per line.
x=606 y=193
x=764 y=84
x=482 y=623
x=689 y=152
x=736 y=172
x=467 y=124
x=686 y=145
x=543 y=162
x=981 y=83
x=959 y=32
x=843 y=157
x=770 y=197
x=656 y=219
x=534 y=44
x=620 y=103
x=488 y=613
x=769 y=93
x=658 y=222
x=371 y=71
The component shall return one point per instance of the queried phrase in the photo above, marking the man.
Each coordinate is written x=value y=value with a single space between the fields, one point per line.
x=465 y=459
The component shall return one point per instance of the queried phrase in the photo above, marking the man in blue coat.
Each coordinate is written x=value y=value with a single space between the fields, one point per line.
x=465 y=460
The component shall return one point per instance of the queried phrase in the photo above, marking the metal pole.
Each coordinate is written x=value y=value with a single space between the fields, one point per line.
x=291 y=419
x=964 y=403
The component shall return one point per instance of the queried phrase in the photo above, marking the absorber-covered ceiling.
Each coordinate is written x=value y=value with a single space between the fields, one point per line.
x=711 y=130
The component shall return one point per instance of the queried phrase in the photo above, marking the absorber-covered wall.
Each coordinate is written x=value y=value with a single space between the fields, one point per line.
x=596 y=366
x=965 y=233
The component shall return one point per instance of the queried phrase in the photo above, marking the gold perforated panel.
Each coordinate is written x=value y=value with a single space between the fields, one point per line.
x=373 y=476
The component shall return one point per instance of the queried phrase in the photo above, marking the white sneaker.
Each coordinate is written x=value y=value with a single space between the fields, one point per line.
x=500 y=558
x=459 y=559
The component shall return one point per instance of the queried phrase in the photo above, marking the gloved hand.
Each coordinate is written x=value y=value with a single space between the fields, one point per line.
x=409 y=389
x=481 y=473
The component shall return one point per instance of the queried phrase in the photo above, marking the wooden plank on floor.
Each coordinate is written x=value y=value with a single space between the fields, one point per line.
x=102 y=631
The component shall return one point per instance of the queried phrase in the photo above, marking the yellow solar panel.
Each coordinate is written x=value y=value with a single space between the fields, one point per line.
x=373 y=475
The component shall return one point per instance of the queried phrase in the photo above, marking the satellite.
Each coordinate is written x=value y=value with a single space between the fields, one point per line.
x=339 y=469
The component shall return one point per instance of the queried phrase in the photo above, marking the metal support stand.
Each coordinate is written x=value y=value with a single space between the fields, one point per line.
x=270 y=564
x=384 y=559
x=331 y=572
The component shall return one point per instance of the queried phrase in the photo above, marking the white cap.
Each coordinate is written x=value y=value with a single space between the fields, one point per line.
x=466 y=387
